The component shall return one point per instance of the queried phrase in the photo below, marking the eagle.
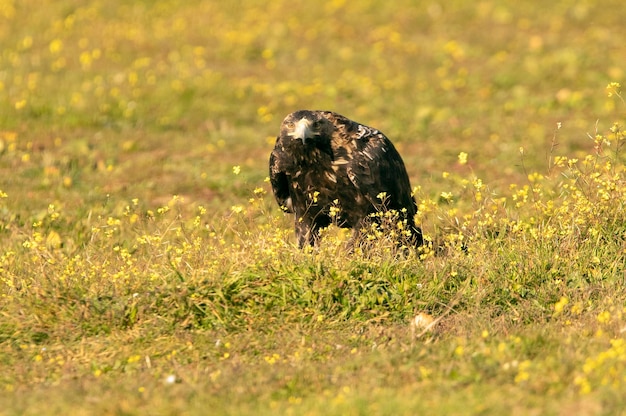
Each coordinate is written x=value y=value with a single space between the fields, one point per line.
x=327 y=169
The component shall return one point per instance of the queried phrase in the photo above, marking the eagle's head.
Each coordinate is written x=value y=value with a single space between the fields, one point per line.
x=306 y=126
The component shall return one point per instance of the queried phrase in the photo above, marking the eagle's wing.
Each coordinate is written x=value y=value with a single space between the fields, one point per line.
x=373 y=164
x=278 y=179
x=377 y=167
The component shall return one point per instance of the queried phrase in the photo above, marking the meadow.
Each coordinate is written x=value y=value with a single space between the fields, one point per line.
x=145 y=267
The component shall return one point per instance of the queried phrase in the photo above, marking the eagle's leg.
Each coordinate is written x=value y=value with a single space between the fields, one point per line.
x=355 y=239
x=416 y=236
x=305 y=233
x=309 y=232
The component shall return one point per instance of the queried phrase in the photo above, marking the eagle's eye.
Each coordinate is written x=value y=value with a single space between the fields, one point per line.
x=317 y=124
x=290 y=125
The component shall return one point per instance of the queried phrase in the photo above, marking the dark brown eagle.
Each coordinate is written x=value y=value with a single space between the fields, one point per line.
x=328 y=169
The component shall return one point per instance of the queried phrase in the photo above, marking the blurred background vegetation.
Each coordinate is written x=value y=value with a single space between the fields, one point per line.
x=161 y=96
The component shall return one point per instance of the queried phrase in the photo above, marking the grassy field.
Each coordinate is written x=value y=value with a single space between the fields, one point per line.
x=146 y=269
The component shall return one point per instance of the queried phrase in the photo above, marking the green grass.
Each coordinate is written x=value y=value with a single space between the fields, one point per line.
x=146 y=269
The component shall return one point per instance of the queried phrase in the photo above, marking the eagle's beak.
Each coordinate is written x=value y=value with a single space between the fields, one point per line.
x=302 y=130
